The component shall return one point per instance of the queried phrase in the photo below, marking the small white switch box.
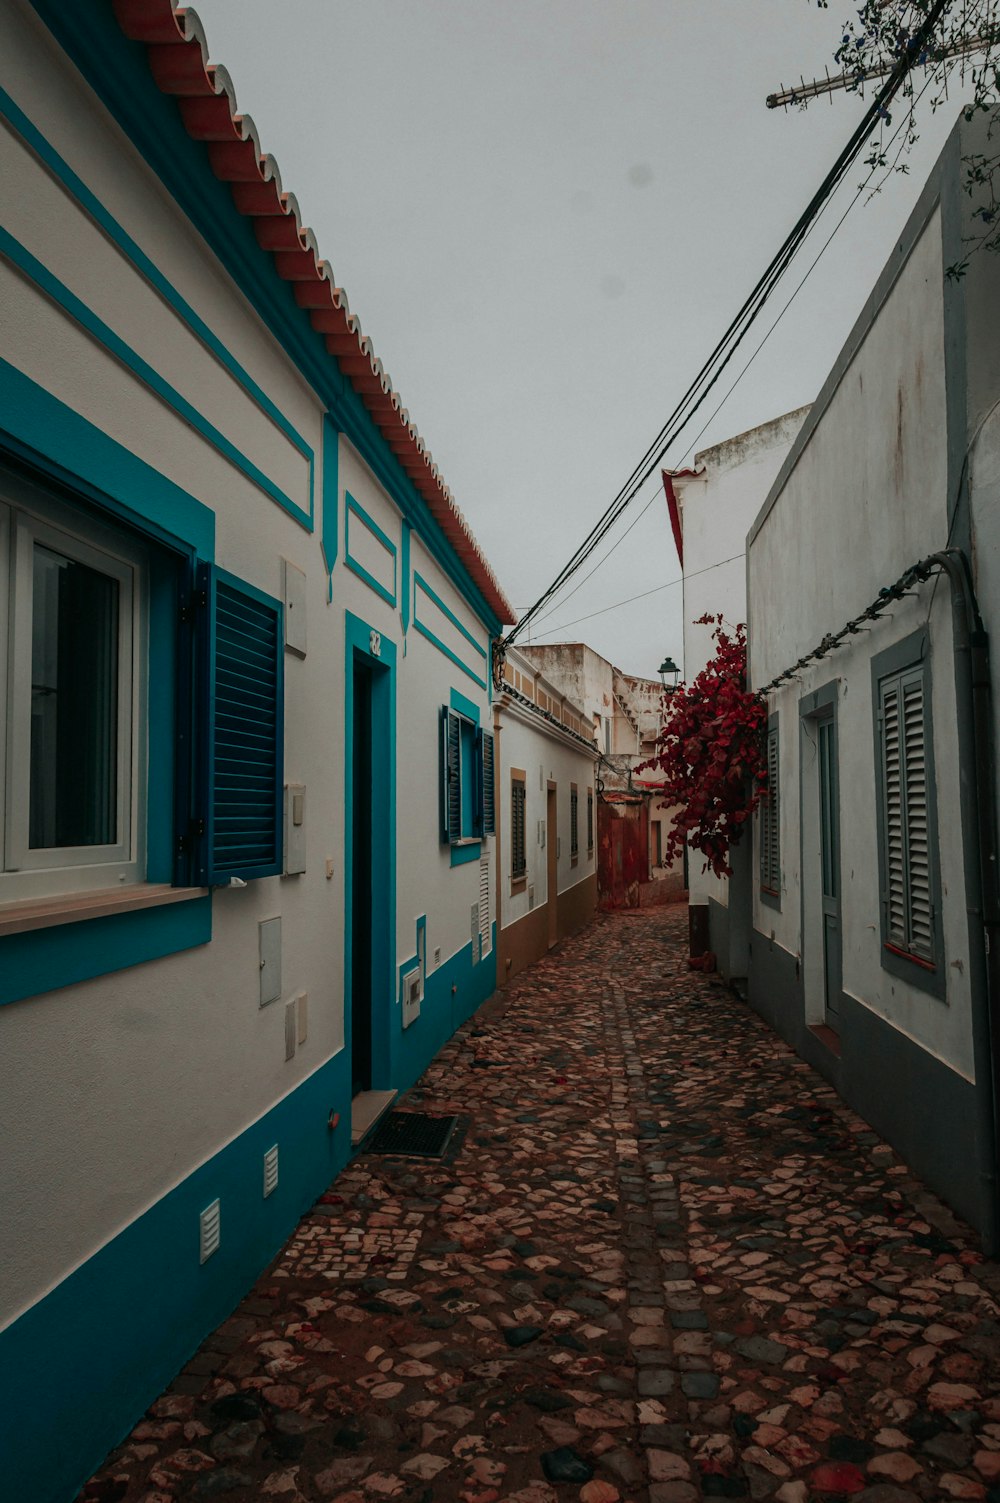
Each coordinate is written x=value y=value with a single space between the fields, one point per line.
x=270 y=960
x=413 y=995
x=295 y=829
x=294 y=589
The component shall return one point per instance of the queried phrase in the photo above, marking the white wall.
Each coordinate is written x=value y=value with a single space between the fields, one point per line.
x=867 y=497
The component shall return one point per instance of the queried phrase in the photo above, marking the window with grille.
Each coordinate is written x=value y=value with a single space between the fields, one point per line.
x=518 y=842
x=906 y=847
x=574 y=832
x=590 y=819
x=770 y=849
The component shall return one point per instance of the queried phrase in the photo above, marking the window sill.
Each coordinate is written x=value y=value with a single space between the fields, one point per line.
x=47 y=913
x=518 y=884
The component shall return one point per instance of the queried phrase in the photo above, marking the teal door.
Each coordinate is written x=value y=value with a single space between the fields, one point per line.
x=829 y=815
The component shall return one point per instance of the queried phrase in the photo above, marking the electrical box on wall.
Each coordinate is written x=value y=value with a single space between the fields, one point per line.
x=413 y=995
x=270 y=960
x=295 y=829
x=294 y=591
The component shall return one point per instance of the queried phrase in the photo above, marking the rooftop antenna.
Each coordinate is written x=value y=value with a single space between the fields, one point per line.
x=830 y=82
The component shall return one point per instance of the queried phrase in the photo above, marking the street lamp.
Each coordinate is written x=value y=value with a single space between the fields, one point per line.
x=669 y=670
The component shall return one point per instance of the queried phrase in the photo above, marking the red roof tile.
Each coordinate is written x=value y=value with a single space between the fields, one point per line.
x=178 y=58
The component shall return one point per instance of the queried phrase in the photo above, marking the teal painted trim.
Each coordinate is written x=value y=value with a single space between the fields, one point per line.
x=382 y=899
x=118 y=70
x=419 y=583
x=419 y=957
x=42 y=960
x=353 y=508
x=120 y=237
x=37 y=427
x=466 y=707
x=135 y=1312
x=22 y=258
x=406 y=583
x=161 y=712
x=461 y=855
x=331 y=498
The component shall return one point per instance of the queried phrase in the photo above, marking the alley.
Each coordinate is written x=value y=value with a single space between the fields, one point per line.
x=662 y=1261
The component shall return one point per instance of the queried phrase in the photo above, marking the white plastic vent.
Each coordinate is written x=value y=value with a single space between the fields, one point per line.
x=210 y=1231
x=485 y=927
x=413 y=995
x=270 y=1171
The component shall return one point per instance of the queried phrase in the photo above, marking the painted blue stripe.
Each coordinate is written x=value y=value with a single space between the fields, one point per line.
x=331 y=498
x=406 y=587
x=117 y=69
x=355 y=509
x=88 y=201
x=135 y=1312
x=452 y=656
x=47 y=282
x=36 y=426
x=445 y=611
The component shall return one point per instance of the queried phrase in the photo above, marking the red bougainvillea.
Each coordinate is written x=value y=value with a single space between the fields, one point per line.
x=711 y=753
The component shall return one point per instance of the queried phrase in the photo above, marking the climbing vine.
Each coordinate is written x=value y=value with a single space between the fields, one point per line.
x=711 y=753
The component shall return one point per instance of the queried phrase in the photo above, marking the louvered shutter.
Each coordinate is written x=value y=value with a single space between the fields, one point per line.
x=770 y=866
x=243 y=730
x=485 y=923
x=590 y=820
x=574 y=837
x=451 y=776
x=518 y=854
x=488 y=783
x=907 y=891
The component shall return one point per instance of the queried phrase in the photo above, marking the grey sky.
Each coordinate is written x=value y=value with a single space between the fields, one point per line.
x=545 y=213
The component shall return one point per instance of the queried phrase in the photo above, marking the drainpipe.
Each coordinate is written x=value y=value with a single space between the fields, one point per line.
x=974 y=695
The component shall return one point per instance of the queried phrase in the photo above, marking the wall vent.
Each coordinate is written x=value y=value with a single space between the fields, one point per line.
x=270 y=1171
x=210 y=1231
x=531 y=897
x=413 y=995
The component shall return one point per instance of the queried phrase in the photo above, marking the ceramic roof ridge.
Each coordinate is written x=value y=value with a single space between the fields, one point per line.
x=177 y=50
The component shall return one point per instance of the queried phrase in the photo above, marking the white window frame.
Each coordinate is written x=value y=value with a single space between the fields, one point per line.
x=28 y=516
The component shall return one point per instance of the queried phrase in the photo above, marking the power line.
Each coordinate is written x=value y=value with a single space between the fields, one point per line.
x=710 y=372
x=654 y=591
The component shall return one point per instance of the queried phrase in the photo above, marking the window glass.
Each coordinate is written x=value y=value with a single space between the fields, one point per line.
x=73 y=774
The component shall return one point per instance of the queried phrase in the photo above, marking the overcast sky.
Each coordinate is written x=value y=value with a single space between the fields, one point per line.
x=545 y=213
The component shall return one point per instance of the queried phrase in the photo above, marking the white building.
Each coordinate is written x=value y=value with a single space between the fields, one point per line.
x=874 y=948
x=249 y=866
x=546 y=839
x=712 y=507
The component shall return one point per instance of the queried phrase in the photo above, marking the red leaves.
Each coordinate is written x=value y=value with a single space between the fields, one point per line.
x=711 y=753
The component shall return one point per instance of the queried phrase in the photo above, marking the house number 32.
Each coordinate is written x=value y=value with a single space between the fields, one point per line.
x=375 y=643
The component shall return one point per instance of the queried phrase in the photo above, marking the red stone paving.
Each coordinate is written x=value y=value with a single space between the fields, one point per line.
x=666 y=1262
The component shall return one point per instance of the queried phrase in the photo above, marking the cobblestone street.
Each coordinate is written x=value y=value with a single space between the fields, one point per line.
x=664 y=1263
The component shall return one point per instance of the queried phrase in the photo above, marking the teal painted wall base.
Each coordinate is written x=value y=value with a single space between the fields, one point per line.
x=79 y=1368
x=442 y=1011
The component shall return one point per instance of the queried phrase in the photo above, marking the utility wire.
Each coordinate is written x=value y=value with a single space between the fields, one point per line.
x=714 y=414
x=711 y=371
x=654 y=591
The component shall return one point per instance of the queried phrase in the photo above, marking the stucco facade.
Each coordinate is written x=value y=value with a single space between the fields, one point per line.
x=868 y=950
x=160 y=416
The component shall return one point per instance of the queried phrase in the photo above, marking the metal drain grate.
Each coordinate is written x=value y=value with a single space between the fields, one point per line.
x=413 y=1133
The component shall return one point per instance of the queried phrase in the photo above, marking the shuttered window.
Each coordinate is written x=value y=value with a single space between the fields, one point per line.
x=574 y=821
x=518 y=843
x=590 y=819
x=243 y=729
x=907 y=877
x=485 y=923
x=467 y=779
x=770 y=851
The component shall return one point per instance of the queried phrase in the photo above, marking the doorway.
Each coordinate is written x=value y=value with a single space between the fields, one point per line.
x=552 y=862
x=361 y=881
x=829 y=820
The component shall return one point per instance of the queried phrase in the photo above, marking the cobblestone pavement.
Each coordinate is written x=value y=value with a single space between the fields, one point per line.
x=666 y=1263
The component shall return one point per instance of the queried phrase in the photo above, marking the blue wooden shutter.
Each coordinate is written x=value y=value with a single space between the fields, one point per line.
x=244 y=729
x=488 y=784
x=451 y=776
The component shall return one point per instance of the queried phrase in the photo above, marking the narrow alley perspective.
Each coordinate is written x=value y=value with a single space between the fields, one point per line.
x=659 y=1260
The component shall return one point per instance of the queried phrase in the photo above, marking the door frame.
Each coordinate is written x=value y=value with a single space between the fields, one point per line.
x=365 y=644
x=819 y=706
x=552 y=861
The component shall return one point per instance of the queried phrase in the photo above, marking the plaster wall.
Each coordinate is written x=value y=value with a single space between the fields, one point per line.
x=115 y=1089
x=847 y=517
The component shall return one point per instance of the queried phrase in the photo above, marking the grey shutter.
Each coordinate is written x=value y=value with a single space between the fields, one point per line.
x=451 y=776
x=590 y=821
x=574 y=822
x=518 y=853
x=894 y=889
x=488 y=784
x=918 y=869
x=770 y=866
x=243 y=728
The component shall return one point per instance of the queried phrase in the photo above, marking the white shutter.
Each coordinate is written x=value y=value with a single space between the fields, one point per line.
x=921 y=919
x=485 y=926
x=895 y=854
